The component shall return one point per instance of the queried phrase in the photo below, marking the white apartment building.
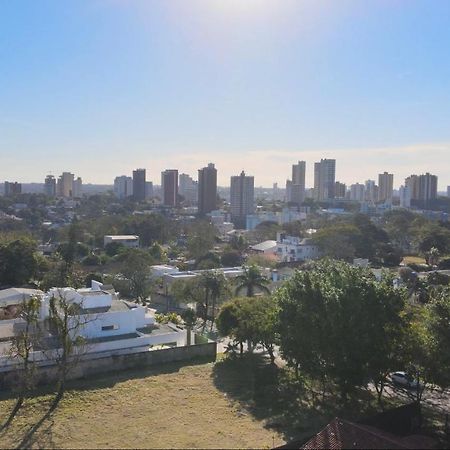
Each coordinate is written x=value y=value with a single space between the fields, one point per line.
x=357 y=192
x=123 y=187
x=292 y=248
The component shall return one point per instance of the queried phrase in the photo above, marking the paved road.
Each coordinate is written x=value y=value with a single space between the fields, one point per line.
x=432 y=397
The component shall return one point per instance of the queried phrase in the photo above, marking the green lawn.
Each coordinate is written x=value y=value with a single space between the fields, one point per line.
x=173 y=407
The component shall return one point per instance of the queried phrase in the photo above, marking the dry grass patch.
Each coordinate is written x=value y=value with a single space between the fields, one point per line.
x=180 y=408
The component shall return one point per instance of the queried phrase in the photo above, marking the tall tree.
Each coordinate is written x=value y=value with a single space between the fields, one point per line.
x=338 y=322
x=251 y=281
x=22 y=346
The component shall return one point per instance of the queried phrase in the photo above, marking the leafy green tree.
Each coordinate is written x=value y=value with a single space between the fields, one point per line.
x=251 y=280
x=230 y=258
x=250 y=319
x=338 y=241
x=114 y=248
x=136 y=269
x=337 y=322
x=201 y=239
x=17 y=261
x=425 y=347
x=190 y=319
x=432 y=235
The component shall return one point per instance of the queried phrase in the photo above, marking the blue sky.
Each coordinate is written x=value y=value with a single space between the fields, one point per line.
x=101 y=87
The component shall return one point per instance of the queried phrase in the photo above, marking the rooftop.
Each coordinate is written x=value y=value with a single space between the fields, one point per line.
x=15 y=296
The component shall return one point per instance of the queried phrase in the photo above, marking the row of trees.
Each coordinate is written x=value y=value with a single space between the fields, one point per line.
x=341 y=328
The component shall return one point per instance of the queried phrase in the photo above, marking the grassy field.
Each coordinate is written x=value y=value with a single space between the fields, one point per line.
x=174 y=407
x=413 y=260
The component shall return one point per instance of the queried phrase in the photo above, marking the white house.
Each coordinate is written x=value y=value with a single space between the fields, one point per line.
x=129 y=241
x=292 y=248
x=107 y=323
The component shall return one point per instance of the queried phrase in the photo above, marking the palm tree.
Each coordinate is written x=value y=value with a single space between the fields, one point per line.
x=250 y=280
x=216 y=286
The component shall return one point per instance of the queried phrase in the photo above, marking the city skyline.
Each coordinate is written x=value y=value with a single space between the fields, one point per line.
x=156 y=84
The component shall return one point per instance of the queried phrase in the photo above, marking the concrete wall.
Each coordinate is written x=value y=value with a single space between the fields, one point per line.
x=106 y=363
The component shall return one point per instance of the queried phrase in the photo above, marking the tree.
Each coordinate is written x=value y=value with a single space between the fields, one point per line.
x=201 y=239
x=216 y=287
x=17 y=261
x=432 y=235
x=251 y=319
x=251 y=280
x=190 y=319
x=21 y=349
x=425 y=348
x=66 y=321
x=337 y=322
x=136 y=269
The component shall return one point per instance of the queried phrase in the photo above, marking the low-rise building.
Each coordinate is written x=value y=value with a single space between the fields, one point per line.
x=106 y=323
x=266 y=248
x=292 y=248
x=129 y=241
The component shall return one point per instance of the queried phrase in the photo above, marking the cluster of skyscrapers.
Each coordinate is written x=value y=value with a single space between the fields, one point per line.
x=66 y=186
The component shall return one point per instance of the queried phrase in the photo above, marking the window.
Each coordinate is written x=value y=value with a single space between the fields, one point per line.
x=110 y=327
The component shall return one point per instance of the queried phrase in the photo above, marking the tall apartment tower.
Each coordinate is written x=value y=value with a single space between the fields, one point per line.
x=371 y=191
x=188 y=188
x=324 y=179
x=77 y=188
x=64 y=187
x=207 y=189
x=428 y=187
x=12 y=188
x=385 y=187
x=242 y=198
x=139 y=184
x=340 y=189
x=123 y=187
x=169 y=186
x=298 y=182
x=50 y=186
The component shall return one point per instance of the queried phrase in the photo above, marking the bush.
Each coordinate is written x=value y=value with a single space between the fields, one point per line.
x=444 y=264
x=91 y=260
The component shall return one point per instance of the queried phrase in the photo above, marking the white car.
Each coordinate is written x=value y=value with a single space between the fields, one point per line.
x=402 y=379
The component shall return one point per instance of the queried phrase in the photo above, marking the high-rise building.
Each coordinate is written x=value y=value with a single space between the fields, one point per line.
x=242 y=198
x=12 y=188
x=77 y=188
x=139 y=184
x=64 y=186
x=405 y=197
x=50 y=186
x=371 y=191
x=423 y=188
x=149 y=189
x=413 y=183
x=428 y=187
x=123 y=186
x=340 y=189
x=188 y=188
x=385 y=187
x=298 y=182
x=169 y=186
x=357 y=191
x=207 y=189
x=324 y=179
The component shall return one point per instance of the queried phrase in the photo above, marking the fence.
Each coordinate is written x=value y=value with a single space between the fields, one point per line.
x=95 y=364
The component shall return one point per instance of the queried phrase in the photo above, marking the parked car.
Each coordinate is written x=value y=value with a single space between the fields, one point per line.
x=404 y=380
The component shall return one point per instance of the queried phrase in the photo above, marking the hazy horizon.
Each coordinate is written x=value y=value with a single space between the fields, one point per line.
x=102 y=87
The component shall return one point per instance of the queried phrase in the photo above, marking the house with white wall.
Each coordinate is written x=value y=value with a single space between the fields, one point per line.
x=293 y=248
x=129 y=241
x=106 y=323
